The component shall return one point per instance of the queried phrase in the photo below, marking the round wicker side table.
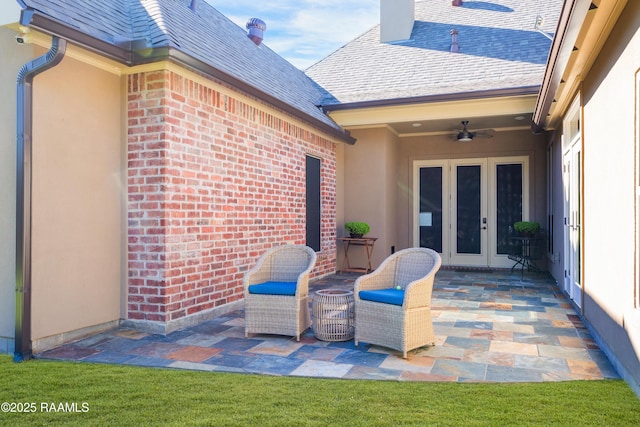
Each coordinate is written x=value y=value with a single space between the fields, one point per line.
x=333 y=314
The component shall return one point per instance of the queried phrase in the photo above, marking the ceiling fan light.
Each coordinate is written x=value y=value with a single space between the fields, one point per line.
x=464 y=137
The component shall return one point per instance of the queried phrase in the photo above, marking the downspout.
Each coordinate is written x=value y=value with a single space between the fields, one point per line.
x=23 y=192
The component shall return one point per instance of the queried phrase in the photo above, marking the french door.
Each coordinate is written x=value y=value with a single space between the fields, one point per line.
x=464 y=207
x=468 y=212
x=572 y=170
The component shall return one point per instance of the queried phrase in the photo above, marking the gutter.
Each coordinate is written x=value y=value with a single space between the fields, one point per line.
x=462 y=96
x=24 y=124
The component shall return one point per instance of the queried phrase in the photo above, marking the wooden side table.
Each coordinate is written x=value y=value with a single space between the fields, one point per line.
x=367 y=242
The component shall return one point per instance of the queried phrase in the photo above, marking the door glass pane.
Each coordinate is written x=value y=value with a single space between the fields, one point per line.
x=468 y=209
x=509 y=202
x=431 y=208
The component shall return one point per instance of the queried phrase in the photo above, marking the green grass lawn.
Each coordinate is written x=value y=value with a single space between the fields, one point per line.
x=127 y=396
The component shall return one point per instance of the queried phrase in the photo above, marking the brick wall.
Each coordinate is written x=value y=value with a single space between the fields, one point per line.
x=212 y=183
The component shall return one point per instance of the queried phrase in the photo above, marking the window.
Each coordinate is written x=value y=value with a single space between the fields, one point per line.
x=313 y=203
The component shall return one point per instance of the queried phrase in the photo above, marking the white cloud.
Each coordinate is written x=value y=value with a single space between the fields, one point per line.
x=305 y=31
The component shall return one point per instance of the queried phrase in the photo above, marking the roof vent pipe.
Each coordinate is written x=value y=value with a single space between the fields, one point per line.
x=256 y=28
x=454 y=42
x=193 y=5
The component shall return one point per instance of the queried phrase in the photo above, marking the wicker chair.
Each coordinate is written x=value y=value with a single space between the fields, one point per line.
x=397 y=318
x=276 y=292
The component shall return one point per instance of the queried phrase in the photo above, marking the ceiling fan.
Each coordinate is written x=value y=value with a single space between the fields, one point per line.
x=465 y=135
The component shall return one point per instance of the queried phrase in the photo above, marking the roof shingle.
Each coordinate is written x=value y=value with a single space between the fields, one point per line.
x=499 y=49
x=205 y=35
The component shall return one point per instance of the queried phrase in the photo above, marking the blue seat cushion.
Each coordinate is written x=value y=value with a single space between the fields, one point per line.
x=386 y=296
x=273 y=288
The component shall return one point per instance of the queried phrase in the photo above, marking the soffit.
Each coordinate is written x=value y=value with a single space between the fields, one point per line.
x=501 y=114
x=9 y=12
x=44 y=41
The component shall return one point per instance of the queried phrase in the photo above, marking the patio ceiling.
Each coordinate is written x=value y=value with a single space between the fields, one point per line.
x=516 y=121
x=441 y=116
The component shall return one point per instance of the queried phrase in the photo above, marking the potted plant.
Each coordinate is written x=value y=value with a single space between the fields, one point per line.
x=527 y=228
x=357 y=229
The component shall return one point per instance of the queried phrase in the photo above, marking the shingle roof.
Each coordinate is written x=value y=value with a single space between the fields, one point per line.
x=499 y=49
x=205 y=35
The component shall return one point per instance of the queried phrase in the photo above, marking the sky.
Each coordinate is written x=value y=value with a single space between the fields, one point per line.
x=304 y=31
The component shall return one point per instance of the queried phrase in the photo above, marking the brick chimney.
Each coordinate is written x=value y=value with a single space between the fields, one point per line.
x=456 y=3
x=396 y=20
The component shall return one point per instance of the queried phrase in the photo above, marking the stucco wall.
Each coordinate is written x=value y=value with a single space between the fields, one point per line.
x=14 y=56
x=78 y=225
x=610 y=129
x=370 y=191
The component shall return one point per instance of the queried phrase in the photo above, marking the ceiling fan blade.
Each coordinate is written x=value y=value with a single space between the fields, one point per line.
x=484 y=133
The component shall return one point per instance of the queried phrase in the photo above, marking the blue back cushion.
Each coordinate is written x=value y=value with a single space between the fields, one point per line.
x=273 y=288
x=387 y=296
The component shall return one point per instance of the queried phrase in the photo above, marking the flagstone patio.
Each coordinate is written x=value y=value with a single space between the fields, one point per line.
x=493 y=327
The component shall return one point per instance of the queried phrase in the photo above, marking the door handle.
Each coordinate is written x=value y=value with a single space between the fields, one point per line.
x=484 y=223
